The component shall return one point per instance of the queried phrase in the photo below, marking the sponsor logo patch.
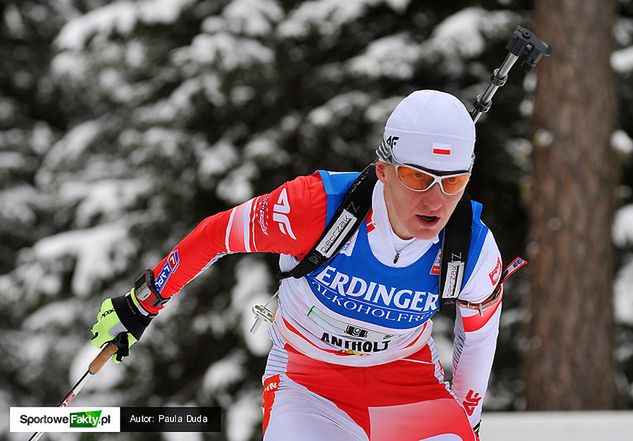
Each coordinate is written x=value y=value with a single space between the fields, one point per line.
x=172 y=260
x=280 y=214
x=454 y=276
x=435 y=269
x=371 y=226
x=371 y=301
x=356 y=331
x=495 y=273
x=262 y=216
x=336 y=234
x=168 y=269
x=355 y=346
x=271 y=385
x=392 y=141
x=471 y=402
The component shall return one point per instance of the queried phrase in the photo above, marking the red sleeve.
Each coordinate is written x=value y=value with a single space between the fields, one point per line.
x=288 y=220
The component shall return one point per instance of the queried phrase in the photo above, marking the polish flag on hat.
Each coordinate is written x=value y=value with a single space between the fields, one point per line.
x=441 y=149
x=434 y=131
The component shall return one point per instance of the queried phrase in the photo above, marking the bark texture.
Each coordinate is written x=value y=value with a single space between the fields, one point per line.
x=569 y=360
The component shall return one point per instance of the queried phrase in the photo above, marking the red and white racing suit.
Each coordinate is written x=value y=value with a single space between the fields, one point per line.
x=352 y=369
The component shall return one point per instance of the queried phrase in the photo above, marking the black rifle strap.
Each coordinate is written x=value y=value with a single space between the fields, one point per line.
x=455 y=246
x=348 y=217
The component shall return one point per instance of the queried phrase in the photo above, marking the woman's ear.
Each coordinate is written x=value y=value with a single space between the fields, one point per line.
x=381 y=168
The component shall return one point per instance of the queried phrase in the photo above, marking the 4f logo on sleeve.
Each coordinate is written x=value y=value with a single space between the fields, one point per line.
x=471 y=402
x=280 y=214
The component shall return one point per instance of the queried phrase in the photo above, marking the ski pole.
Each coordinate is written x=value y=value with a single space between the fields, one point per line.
x=95 y=366
x=522 y=43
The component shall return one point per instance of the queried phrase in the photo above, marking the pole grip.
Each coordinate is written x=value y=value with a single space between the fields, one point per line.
x=108 y=351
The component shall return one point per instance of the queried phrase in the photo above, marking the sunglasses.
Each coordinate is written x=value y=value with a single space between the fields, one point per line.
x=419 y=179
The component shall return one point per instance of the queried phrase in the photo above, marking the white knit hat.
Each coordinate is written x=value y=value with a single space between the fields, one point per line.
x=431 y=129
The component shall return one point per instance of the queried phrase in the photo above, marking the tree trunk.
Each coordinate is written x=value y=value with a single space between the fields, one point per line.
x=569 y=359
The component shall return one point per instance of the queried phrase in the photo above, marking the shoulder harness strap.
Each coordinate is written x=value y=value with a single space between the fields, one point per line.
x=348 y=217
x=455 y=246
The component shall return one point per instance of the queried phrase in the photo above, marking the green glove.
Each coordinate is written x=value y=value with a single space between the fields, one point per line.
x=120 y=319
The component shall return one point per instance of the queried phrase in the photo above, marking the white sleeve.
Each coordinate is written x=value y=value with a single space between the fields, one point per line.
x=476 y=333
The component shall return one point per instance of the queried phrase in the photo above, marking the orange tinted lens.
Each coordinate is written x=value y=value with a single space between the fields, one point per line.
x=455 y=184
x=414 y=179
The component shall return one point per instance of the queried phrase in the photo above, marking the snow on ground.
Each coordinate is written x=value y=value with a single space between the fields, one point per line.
x=182 y=436
x=557 y=426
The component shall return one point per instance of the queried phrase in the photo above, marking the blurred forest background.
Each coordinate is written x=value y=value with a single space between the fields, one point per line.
x=124 y=124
